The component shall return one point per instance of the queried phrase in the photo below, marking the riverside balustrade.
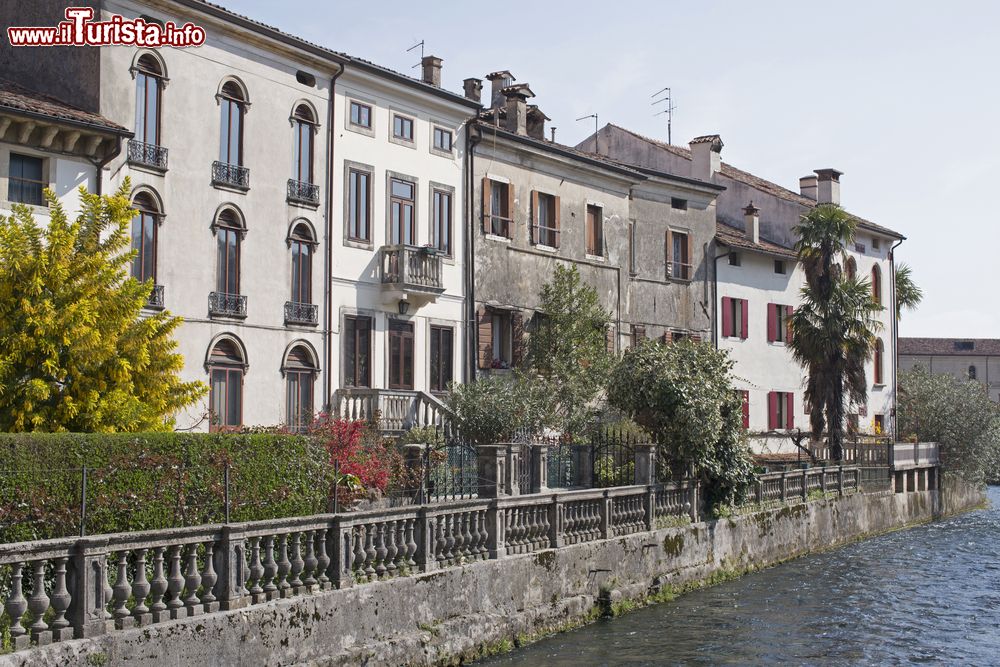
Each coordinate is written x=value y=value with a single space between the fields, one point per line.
x=798 y=484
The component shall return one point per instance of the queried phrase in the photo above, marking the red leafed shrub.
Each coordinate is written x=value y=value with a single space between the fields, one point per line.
x=357 y=448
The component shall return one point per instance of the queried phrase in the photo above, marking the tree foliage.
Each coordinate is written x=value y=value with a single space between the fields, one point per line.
x=74 y=352
x=500 y=408
x=682 y=393
x=568 y=348
x=834 y=329
x=957 y=414
x=908 y=294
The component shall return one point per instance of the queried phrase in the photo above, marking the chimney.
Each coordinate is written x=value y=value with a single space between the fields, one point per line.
x=552 y=131
x=706 y=156
x=536 y=122
x=431 y=66
x=473 y=89
x=828 y=186
x=499 y=81
x=752 y=220
x=807 y=186
x=516 y=108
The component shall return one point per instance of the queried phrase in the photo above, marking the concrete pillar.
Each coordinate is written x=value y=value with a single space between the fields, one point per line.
x=583 y=466
x=87 y=575
x=230 y=565
x=511 y=481
x=539 y=468
x=645 y=464
x=491 y=466
x=413 y=456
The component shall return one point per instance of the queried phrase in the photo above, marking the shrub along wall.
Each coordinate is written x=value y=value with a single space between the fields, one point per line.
x=154 y=480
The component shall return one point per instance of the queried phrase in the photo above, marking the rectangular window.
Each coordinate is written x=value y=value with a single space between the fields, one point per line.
x=879 y=424
x=497 y=208
x=503 y=353
x=402 y=225
x=638 y=334
x=876 y=244
x=442 y=357
x=734 y=259
x=402 y=127
x=678 y=203
x=780 y=410
x=357 y=351
x=779 y=323
x=680 y=261
x=228 y=270
x=361 y=115
x=779 y=266
x=299 y=400
x=546 y=227
x=359 y=207
x=860 y=247
x=24 y=180
x=595 y=231
x=227 y=398
x=400 y=355
x=442 y=139
x=734 y=318
x=441 y=223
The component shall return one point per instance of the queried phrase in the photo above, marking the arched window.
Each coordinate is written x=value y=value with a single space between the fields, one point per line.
x=226 y=366
x=877 y=361
x=300 y=376
x=233 y=102
x=851 y=269
x=148 y=89
x=229 y=234
x=301 y=242
x=877 y=285
x=304 y=124
x=144 y=232
x=972 y=372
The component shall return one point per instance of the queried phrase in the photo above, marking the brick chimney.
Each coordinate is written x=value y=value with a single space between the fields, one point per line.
x=828 y=186
x=536 y=122
x=516 y=108
x=751 y=217
x=431 y=66
x=499 y=81
x=808 y=187
x=473 y=88
x=706 y=156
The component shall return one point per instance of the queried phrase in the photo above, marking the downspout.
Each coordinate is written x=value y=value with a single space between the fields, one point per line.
x=472 y=138
x=103 y=162
x=715 y=300
x=328 y=255
x=895 y=332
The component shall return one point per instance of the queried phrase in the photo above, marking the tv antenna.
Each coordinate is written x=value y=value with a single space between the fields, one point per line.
x=594 y=116
x=421 y=45
x=669 y=110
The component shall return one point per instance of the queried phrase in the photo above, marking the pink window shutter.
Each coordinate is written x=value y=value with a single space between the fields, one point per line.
x=789 y=410
x=727 y=316
x=743 y=313
x=772 y=322
x=772 y=410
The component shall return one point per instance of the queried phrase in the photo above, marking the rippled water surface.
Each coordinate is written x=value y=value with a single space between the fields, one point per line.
x=928 y=595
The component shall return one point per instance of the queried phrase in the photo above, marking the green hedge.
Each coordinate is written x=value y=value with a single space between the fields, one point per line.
x=154 y=480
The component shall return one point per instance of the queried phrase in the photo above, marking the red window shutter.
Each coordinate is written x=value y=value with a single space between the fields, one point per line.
x=727 y=316
x=485 y=319
x=772 y=322
x=487 y=203
x=746 y=408
x=743 y=314
x=772 y=410
x=790 y=410
x=788 y=323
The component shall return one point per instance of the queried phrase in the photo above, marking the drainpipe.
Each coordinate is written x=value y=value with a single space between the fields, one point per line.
x=895 y=332
x=328 y=255
x=103 y=162
x=715 y=299
x=472 y=138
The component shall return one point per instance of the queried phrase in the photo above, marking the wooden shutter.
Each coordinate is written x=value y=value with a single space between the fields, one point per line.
x=772 y=410
x=516 y=339
x=487 y=202
x=788 y=323
x=533 y=222
x=556 y=217
x=727 y=316
x=510 y=210
x=790 y=411
x=666 y=255
x=485 y=319
x=689 y=271
x=746 y=408
x=772 y=322
x=743 y=315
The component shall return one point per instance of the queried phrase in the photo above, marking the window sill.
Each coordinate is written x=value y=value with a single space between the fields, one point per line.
x=499 y=239
x=777 y=343
x=878 y=385
x=545 y=248
x=359 y=244
x=440 y=153
x=595 y=258
x=408 y=143
x=361 y=129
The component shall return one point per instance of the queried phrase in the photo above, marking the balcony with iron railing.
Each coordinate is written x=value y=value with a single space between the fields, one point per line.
x=230 y=175
x=147 y=155
x=300 y=192
x=221 y=304
x=301 y=313
x=155 y=300
x=411 y=269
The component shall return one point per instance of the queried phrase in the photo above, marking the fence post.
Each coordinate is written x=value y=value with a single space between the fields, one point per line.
x=822 y=479
x=539 y=468
x=511 y=481
x=491 y=466
x=231 y=566
x=425 y=548
x=693 y=491
x=494 y=531
x=645 y=463
x=606 y=510
x=583 y=465
x=342 y=556
x=805 y=483
x=840 y=479
x=87 y=582
x=784 y=485
x=759 y=490
x=556 y=522
x=650 y=507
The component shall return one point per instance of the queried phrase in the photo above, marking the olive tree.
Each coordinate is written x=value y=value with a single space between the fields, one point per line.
x=499 y=408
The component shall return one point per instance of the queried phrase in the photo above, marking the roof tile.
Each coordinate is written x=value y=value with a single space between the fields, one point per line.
x=19 y=98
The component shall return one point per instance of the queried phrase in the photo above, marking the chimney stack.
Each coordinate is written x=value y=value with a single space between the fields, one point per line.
x=536 y=122
x=431 y=66
x=828 y=190
x=752 y=220
x=706 y=156
x=516 y=108
x=473 y=89
x=499 y=81
x=552 y=131
x=808 y=187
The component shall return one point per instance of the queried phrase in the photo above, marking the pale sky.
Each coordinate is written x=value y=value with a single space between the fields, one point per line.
x=903 y=97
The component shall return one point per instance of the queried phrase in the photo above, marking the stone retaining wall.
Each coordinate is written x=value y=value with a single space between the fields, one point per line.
x=455 y=614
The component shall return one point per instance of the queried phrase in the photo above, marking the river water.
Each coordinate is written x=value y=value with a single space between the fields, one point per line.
x=927 y=595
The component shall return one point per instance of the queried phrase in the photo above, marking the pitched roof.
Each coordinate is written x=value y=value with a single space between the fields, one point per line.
x=756 y=182
x=19 y=99
x=737 y=238
x=962 y=347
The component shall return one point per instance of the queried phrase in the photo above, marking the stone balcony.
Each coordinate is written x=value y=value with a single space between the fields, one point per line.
x=406 y=271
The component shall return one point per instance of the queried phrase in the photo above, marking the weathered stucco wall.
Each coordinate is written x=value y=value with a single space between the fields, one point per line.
x=459 y=613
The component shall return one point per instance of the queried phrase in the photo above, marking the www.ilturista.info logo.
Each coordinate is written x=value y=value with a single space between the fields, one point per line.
x=79 y=30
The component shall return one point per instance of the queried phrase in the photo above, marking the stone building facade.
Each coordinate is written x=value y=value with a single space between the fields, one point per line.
x=963 y=358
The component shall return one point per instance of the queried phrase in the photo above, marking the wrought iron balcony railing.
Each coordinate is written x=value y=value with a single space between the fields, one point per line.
x=147 y=155
x=155 y=299
x=233 y=175
x=301 y=313
x=411 y=269
x=229 y=305
x=302 y=192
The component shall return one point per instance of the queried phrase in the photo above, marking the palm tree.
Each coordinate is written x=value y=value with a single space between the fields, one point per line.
x=833 y=330
x=908 y=295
